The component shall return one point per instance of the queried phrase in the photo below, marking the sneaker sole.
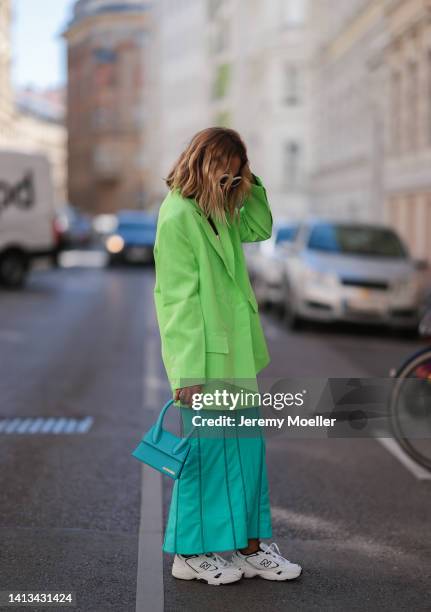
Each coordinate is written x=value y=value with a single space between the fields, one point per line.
x=186 y=575
x=268 y=576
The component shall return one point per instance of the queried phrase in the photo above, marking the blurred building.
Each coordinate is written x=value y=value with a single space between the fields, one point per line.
x=236 y=63
x=346 y=124
x=267 y=92
x=6 y=97
x=176 y=88
x=31 y=120
x=371 y=114
x=106 y=112
x=406 y=62
x=39 y=127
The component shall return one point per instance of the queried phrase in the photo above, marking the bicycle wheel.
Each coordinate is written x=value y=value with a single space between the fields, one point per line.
x=410 y=407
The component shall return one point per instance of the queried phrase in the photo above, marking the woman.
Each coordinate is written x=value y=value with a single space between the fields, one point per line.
x=211 y=337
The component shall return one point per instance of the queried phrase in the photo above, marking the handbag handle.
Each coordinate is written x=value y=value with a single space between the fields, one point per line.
x=157 y=432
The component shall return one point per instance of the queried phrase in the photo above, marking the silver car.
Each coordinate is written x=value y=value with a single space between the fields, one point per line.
x=338 y=271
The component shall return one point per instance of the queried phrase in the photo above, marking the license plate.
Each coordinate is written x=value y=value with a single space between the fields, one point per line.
x=136 y=253
x=367 y=300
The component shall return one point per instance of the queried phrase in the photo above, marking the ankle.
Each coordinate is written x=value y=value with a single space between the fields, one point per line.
x=249 y=550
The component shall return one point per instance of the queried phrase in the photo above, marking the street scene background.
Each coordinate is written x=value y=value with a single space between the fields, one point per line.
x=97 y=100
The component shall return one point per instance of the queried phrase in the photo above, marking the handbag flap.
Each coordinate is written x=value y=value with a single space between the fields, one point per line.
x=166 y=443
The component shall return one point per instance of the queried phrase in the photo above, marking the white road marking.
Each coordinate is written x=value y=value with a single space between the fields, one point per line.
x=149 y=589
x=46 y=427
x=395 y=449
x=332 y=529
x=84 y=425
x=149 y=583
x=389 y=444
x=24 y=426
x=40 y=425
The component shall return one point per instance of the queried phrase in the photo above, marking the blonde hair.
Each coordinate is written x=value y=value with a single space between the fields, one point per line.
x=196 y=172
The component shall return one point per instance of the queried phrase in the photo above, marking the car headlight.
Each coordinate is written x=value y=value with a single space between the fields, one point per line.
x=114 y=244
x=321 y=279
x=406 y=286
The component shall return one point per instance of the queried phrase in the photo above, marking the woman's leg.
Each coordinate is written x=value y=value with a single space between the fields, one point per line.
x=253 y=546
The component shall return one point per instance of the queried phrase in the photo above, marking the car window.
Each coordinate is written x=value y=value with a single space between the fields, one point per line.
x=356 y=240
x=287 y=233
x=142 y=225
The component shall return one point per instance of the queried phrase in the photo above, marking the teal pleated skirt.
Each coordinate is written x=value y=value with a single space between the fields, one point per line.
x=222 y=497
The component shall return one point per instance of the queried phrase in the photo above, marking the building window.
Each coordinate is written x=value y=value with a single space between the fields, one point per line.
x=413 y=106
x=294 y=12
x=291 y=165
x=103 y=55
x=291 y=86
x=396 y=112
x=222 y=81
x=429 y=97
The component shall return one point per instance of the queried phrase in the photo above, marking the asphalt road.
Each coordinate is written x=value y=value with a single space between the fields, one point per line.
x=82 y=342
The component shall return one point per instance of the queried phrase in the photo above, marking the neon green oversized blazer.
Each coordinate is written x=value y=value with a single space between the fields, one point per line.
x=206 y=309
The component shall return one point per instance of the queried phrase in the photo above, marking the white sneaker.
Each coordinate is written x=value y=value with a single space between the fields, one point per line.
x=210 y=567
x=266 y=563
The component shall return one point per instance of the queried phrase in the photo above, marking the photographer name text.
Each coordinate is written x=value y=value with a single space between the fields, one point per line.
x=290 y=421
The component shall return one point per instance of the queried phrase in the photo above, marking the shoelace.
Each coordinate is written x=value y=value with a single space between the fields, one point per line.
x=274 y=551
x=221 y=562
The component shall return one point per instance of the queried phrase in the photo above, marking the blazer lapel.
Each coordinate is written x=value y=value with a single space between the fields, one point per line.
x=226 y=242
x=221 y=245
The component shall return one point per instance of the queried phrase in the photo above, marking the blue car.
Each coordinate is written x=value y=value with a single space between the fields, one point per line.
x=133 y=239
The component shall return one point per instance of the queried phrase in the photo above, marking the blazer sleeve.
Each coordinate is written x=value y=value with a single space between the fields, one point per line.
x=178 y=306
x=255 y=217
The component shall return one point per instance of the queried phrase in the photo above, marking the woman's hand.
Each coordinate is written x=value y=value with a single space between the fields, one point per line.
x=185 y=395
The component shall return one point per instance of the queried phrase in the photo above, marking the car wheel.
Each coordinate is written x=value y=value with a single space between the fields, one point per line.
x=14 y=267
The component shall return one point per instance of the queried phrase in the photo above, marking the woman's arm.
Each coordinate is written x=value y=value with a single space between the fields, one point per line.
x=255 y=215
x=178 y=305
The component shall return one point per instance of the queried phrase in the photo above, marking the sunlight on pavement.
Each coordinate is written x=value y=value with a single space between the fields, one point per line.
x=82 y=259
x=331 y=529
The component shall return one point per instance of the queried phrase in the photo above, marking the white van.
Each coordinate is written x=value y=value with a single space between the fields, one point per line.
x=27 y=214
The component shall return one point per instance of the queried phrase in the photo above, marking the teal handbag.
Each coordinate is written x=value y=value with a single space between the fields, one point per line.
x=161 y=449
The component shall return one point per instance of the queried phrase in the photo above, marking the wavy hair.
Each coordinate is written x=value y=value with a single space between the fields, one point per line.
x=196 y=172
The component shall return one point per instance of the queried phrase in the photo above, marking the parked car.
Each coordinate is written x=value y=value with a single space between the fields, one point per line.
x=75 y=228
x=340 y=271
x=265 y=260
x=133 y=239
x=28 y=228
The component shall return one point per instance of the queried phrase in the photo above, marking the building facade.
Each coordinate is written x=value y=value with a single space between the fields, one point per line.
x=236 y=63
x=106 y=111
x=39 y=127
x=346 y=123
x=371 y=114
x=176 y=88
x=31 y=120
x=6 y=96
x=406 y=59
x=270 y=95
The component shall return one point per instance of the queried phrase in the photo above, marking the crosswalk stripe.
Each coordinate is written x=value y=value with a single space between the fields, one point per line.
x=12 y=425
x=59 y=426
x=70 y=426
x=85 y=425
x=45 y=425
x=24 y=425
x=35 y=426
